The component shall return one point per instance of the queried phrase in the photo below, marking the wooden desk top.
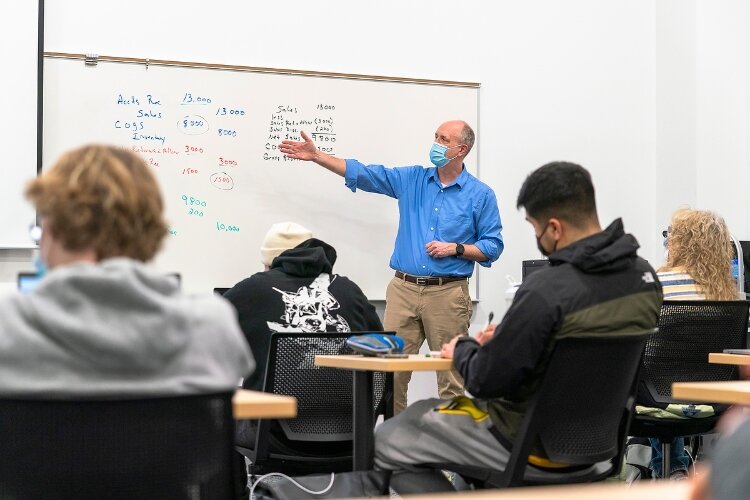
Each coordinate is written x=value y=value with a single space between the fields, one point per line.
x=415 y=363
x=646 y=490
x=254 y=404
x=728 y=359
x=728 y=392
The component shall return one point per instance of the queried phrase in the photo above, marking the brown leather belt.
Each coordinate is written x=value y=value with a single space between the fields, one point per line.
x=429 y=280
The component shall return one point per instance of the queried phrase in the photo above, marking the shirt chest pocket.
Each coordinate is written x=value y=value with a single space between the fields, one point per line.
x=456 y=228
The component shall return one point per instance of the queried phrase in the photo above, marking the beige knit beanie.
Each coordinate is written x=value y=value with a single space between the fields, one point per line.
x=282 y=236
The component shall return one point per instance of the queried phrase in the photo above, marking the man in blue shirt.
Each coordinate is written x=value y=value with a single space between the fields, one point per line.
x=448 y=219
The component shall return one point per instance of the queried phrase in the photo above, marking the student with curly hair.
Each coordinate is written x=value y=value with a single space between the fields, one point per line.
x=698 y=267
x=699 y=258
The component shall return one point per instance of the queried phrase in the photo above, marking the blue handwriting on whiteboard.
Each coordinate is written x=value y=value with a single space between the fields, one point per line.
x=189 y=99
x=232 y=112
x=227 y=132
x=131 y=100
x=129 y=125
x=147 y=113
x=193 y=125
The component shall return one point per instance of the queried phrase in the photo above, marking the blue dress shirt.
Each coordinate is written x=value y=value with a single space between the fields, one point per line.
x=463 y=212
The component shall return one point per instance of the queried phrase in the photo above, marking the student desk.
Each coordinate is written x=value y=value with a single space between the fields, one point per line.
x=362 y=367
x=646 y=490
x=728 y=392
x=723 y=358
x=254 y=404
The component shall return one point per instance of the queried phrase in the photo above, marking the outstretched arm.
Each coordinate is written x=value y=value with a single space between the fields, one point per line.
x=306 y=150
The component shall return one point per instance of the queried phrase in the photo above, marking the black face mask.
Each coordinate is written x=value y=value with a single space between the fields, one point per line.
x=539 y=242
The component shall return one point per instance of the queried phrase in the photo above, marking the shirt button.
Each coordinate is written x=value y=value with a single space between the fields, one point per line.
x=436 y=209
x=441 y=190
x=423 y=267
x=432 y=229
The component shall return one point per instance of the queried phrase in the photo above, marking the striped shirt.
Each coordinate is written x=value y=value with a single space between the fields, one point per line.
x=679 y=285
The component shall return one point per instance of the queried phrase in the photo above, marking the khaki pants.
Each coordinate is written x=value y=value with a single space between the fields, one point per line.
x=435 y=313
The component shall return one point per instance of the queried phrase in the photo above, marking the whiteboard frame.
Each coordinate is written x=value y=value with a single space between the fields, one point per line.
x=92 y=59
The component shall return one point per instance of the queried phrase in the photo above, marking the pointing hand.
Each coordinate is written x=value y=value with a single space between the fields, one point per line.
x=304 y=150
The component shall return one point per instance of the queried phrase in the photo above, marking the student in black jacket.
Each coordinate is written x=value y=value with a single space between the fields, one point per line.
x=298 y=292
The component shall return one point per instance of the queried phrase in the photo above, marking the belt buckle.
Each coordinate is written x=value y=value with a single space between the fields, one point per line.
x=422 y=281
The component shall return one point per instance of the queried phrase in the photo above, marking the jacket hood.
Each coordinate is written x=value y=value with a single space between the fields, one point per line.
x=310 y=258
x=607 y=251
x=80 y=309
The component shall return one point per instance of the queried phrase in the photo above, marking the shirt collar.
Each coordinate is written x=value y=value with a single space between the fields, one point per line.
x=460 y=181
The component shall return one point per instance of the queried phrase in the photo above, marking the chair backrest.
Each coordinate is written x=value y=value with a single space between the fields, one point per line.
x=172 y=447
x=582 y=409
x=688 y=331
x=324 y=395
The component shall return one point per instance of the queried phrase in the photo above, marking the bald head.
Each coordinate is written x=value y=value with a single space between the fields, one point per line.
x=456 y=132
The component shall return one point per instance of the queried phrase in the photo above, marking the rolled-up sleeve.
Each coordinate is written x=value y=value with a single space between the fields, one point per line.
x=373 y=178
x=351 y=176
x=489 y=230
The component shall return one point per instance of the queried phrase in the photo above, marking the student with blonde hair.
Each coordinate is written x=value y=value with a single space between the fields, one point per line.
x=698 y=267
x=101 y=322
x=699 y=259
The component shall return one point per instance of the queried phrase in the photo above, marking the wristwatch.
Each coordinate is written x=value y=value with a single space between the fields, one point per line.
x=459 y=249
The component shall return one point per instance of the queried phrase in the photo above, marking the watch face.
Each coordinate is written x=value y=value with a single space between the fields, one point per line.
x=459 y=249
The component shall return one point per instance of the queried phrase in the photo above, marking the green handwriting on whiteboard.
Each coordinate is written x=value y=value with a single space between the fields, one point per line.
x=228 y=228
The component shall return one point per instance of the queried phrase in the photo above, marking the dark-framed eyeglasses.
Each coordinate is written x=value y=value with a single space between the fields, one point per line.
x=665 y=234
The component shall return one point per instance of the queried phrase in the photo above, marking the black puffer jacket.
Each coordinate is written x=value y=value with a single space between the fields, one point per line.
x=597 y=285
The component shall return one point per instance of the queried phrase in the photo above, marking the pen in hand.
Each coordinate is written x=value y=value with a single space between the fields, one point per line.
x=489 y=319
x=485 y=335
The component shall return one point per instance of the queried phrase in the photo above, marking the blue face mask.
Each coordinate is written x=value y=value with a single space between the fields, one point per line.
x=39 y=264
x=437 y=154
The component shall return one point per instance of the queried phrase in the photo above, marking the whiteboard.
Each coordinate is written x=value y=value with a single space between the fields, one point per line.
x=18 y=128
x=211 y=139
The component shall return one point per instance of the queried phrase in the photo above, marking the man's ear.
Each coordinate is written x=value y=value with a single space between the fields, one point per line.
x=557 y=226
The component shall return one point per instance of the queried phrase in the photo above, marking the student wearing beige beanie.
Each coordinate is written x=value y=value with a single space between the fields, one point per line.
x=298 y=292
x=282 y=236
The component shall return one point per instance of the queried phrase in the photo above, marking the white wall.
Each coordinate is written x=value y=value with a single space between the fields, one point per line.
x=702 y=109
x=623 y=87
x=675 y=108
x=18 y=51
x=722 y=110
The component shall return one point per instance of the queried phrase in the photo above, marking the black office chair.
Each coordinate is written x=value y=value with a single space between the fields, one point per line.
x=688 y=331
x=319 y=439
x=168 y=447
x=580 y=414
